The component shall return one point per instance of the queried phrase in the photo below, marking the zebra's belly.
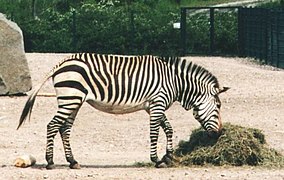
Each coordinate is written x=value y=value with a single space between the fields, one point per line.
x=118 y=109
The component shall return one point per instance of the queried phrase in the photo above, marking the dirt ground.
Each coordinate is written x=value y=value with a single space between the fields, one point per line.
x=107 y=145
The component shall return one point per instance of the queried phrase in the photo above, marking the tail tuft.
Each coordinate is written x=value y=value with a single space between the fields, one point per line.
x=27 y=109
x=26 y=113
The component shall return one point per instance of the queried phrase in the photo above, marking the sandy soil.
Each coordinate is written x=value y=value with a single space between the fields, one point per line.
x=107 y=145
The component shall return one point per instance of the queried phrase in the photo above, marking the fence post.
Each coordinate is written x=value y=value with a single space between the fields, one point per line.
x=183 y=31
x=270 y=37
x=74 y=31
x=241 y=32
x=266 y=37
x=212 y=31
x=277 y=37
x=132 y=48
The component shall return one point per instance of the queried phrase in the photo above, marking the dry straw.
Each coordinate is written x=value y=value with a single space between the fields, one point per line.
x=236 y=146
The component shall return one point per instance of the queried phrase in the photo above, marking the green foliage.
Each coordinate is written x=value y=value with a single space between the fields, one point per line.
x=115 y=26
x=226 y=32
x=225 y=35
x=103 y=27
x=195 y=3
x=273 y=4
x=198 y=33
x=50 y=34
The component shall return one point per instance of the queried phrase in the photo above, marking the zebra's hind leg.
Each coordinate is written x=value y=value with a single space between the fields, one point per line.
x=62 y=122
x=65 y=131
x=52 y=129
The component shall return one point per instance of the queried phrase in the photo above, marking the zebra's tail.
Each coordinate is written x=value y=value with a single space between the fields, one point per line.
x=30 y=102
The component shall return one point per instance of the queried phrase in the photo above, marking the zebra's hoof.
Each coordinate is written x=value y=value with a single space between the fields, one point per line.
x=75 y=166
x=50 y=166
x=161 y=164
x=168 y=160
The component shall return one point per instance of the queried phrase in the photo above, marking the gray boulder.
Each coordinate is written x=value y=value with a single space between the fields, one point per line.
x=14 y=72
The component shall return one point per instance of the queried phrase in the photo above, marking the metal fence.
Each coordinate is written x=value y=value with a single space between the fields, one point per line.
x=262 y=34
x=209 y=30
x=254 y=32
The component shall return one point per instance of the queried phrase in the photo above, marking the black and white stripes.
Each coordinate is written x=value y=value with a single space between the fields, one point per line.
x=123 y=84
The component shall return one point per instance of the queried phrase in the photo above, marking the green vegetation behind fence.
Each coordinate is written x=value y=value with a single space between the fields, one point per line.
x=123 y=27
x=209 y=30
x=118 y=27
x=104 y=29
x=146 y=27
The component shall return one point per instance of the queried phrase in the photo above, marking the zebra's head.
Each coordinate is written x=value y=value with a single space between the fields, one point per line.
x=198 y=89
x=207 y=112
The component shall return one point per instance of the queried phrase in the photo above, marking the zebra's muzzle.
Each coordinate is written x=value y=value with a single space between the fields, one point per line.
x=214 y=134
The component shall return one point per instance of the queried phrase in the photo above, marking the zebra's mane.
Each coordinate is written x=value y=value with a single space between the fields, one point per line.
x=184 y=64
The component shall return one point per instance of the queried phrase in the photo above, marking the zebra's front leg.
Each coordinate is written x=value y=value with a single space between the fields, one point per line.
x=154 y=134
x=157 y=116
x=168 y=157
x=65 y=131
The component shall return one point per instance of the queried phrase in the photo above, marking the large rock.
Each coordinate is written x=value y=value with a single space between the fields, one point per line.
x=14 y=72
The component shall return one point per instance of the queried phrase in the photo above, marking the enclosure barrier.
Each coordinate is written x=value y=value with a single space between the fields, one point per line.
x=254 y=32
x=207 y=30
x=262 y=34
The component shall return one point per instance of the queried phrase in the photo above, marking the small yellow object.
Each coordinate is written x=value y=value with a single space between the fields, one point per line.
x=24 y=161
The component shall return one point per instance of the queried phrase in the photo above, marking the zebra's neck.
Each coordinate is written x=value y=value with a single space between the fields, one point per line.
x=192 y=82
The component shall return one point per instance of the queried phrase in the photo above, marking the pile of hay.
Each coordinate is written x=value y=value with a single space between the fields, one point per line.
x=236 y=146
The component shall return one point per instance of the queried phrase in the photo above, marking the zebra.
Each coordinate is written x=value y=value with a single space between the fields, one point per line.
x=121 y=84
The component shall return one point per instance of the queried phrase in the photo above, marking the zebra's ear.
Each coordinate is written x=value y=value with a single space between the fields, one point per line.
x=223 y=89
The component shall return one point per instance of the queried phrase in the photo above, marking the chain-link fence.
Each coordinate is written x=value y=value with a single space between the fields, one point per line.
x=262 y=34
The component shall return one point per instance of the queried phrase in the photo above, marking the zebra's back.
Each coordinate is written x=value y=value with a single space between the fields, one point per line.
x=111 y=83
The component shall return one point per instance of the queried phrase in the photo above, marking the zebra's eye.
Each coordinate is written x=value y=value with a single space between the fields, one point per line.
x=218 y=105
x=217 y=102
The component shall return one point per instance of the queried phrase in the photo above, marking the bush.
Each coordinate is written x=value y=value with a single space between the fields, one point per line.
x=120 y=27
x=226 y=33
x=49 y=34
x=135 y=29
x=198 y=33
